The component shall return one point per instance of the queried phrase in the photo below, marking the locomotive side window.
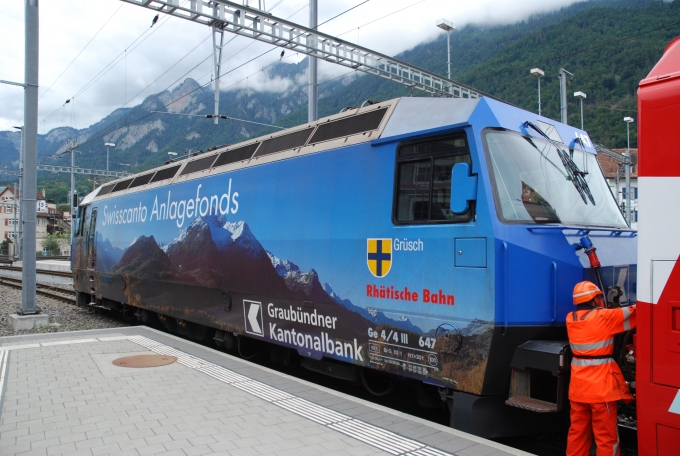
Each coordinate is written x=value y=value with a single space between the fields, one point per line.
x=423 y=190
x=82 y=221
x=91 y=248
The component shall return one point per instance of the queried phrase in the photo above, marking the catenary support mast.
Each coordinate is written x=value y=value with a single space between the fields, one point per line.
x=313 y=101
x=30 y=133
x=563 y=95
x=218 y=46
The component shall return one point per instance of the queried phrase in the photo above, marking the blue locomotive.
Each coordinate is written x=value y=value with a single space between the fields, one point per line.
x=428 y=239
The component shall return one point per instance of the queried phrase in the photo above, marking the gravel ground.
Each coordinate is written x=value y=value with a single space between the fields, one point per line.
x=63 y=316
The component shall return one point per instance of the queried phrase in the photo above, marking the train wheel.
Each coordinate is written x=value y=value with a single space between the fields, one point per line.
x=377 y=383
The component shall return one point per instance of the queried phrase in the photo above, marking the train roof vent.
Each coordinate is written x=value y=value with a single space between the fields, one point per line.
x=106 y=189
x=285 y=142
x=166 y=173
x=122 y=185
x=198 y=165
x=349 y=126
x=141 y=180
x=231 y=156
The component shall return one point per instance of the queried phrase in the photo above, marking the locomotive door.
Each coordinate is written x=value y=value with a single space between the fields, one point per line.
x=92 y=250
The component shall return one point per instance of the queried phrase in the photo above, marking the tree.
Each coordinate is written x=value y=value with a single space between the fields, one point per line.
x=50 y=244
x=4 y=245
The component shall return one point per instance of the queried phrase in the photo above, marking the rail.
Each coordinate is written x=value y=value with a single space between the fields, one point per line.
x=39 y=271
x=62 y=294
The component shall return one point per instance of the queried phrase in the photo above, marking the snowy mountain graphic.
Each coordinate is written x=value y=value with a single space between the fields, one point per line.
x=107 y=254
x=309 y=283
x=217 y=253
x=376 y=316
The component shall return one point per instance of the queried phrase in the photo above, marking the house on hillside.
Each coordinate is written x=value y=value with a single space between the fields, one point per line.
x=48 y=219
x=9 y=217
x=610 y=167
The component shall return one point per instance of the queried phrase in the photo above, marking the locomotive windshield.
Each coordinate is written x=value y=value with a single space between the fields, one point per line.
x=532 y=185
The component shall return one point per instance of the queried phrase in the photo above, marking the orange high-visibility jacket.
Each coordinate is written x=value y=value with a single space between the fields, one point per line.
x=591 y=333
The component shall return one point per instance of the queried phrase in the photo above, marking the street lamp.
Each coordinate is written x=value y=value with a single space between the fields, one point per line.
x=539 y=74
x=447 y=26
x=581 y=96
x=107 y=153
x=628 y=121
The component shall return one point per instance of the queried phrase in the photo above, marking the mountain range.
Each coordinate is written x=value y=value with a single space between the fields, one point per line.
x=609 y=46
x=213 y=252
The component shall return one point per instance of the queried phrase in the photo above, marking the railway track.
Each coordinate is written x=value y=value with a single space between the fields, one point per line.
x=62 y=294
x=39 y=271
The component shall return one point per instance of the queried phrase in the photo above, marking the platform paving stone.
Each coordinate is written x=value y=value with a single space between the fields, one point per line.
x=62 y=396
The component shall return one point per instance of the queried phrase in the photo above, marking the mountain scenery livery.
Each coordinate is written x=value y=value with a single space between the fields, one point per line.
x=393 y=237
x=210 y=250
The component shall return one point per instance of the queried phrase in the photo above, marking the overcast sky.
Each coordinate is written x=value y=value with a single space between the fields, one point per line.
x=111 y=71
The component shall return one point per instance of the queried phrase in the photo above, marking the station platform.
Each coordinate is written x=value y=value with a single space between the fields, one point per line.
x=60 y=393
x=49 y=265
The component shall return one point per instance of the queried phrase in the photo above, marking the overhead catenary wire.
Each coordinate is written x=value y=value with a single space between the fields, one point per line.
x=386 y=16
x=200 y=86
x=328 y=20
x=210 y=116
x=185 y=74
x=81 y=51
x=108 y=67
x=293 y=14
x=380 y=18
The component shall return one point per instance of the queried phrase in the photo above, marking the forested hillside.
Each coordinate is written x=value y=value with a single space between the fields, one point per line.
x=609 y=46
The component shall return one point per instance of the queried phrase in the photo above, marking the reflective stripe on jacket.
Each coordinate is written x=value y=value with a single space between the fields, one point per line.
x=595 y=377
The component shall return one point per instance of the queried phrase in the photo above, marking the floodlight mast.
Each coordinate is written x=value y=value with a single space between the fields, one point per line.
x=447 y=26
x=539 y=74
x=256 y=24
x=581 y=96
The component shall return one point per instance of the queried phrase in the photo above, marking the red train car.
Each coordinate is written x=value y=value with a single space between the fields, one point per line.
x=658 y=333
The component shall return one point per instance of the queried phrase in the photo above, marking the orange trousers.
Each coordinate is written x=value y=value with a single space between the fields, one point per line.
x=597 y=419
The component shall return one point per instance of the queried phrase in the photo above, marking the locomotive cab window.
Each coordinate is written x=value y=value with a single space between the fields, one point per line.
x=423 y=180
x=80 y=221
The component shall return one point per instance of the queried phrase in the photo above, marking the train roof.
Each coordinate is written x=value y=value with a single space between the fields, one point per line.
x=382 y=122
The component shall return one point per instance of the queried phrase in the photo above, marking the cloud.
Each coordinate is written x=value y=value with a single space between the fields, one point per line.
x=127 y=60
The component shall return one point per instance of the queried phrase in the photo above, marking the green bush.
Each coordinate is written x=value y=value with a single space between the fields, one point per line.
x=50 y=244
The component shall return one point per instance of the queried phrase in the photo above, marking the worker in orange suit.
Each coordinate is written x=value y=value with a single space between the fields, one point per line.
x=596 y=379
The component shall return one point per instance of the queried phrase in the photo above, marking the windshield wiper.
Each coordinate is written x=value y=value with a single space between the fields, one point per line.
x=545 y=156
x=575 y=175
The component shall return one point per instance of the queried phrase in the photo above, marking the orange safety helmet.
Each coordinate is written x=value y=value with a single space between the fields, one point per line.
x=585 y=291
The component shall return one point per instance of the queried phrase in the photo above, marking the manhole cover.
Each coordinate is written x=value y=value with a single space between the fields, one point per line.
x=144 y=361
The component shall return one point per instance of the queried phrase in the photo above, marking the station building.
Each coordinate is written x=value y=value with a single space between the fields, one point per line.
x=611 y=168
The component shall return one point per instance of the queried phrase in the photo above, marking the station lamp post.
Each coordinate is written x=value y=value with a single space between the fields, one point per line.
x=581 y=96
x=447 y=26
x=108 y=144
x=539 y=74
x=628 y=121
